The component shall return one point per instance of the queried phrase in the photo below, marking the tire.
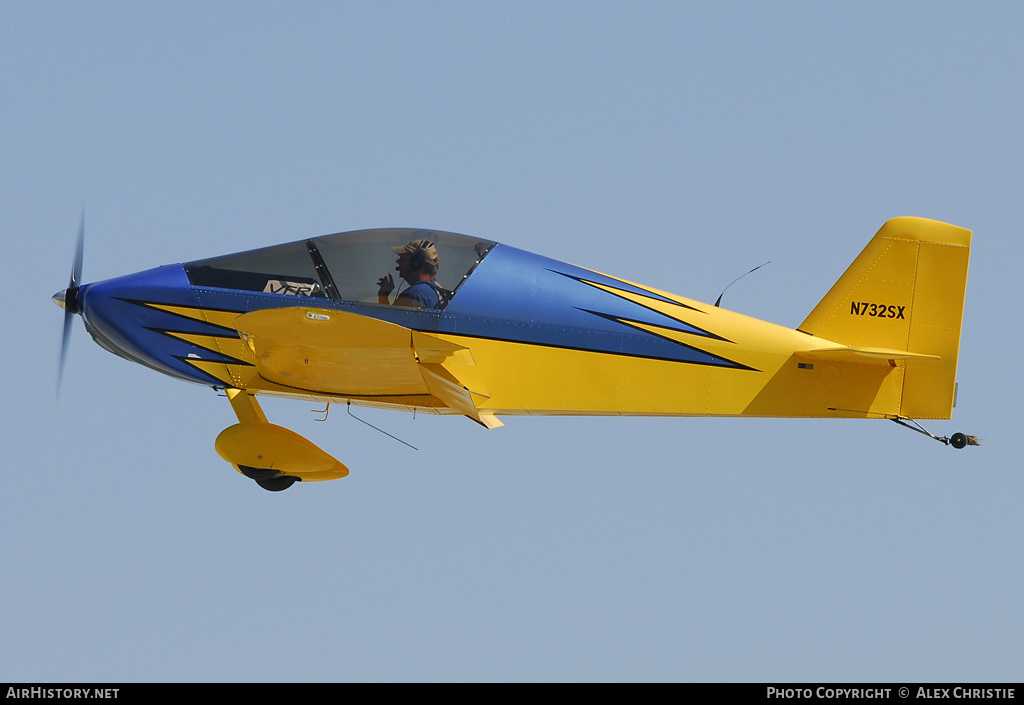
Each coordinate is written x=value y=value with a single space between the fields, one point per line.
x=277 y=484
x=958 y=440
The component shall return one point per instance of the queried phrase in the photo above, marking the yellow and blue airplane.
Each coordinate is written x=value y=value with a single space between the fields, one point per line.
x=503 y=332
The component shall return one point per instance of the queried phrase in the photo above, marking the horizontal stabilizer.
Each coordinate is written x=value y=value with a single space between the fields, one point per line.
x=867 y=356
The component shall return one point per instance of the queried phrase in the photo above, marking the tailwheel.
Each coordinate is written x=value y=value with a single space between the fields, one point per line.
x=957 y=440
x=961 y=440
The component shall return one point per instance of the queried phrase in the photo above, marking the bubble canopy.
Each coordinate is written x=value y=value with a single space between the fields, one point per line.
x=343 y=266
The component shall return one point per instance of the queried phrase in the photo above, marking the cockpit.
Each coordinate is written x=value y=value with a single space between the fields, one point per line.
x=341 y=267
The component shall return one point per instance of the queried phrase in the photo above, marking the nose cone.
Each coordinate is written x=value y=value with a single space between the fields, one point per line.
x=68 y=300
x=125 y=315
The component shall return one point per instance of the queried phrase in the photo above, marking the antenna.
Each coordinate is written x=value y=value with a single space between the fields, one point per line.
x=377 y=429
x=736 y=280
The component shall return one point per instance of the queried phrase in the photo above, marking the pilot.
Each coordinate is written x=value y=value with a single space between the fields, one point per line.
x=417 y=265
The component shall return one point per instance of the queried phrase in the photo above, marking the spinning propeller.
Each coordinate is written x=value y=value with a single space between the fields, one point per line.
x=68 y=298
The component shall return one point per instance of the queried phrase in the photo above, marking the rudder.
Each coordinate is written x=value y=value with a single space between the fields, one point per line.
x=905 y=291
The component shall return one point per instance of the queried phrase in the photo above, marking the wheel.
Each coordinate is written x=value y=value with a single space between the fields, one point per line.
x=958 y=440
x=277 y=484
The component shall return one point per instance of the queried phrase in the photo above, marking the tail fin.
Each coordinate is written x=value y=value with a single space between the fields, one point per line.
x=905 y=292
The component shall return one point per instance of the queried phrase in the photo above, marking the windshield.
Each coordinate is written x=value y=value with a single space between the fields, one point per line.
x=347 y=266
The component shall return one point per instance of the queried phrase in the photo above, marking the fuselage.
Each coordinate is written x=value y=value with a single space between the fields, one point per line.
x=544 y=337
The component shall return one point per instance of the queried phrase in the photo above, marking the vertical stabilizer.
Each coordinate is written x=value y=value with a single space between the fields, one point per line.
x=905 y=291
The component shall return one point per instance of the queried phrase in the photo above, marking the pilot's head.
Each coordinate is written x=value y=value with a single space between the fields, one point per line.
x=418 y=256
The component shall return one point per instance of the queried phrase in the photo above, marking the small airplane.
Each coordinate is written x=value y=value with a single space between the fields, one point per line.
x=485 y=330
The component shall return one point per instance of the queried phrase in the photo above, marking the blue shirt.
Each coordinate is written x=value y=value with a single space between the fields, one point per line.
x=424 y=293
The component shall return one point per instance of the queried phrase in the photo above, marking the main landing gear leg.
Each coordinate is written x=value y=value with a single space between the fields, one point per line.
x=248 y=409
x=957 y=440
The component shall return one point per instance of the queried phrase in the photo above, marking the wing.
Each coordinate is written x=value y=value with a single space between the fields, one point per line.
x=338 y=353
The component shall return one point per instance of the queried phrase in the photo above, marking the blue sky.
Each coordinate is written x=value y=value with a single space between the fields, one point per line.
x=674 y=144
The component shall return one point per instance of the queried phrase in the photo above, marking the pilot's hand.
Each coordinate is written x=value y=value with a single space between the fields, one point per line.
x=386 y=285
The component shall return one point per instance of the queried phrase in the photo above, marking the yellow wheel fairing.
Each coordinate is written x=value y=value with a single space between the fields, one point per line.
x=264 y=445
